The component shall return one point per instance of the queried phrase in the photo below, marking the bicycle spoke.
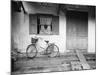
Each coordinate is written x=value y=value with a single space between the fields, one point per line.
x=54 y=50
x=31 y=51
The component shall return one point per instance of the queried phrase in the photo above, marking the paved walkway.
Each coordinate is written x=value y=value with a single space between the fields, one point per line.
x=44 y=64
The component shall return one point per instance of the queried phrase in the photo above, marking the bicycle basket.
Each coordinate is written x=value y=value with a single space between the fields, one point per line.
x=33 y=40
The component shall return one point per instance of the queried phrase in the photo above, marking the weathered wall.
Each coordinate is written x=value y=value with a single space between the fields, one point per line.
x=34 y=8
x=20 y=32
x=21 y=38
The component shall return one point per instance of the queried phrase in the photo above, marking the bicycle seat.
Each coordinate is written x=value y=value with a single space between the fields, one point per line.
x=46 y=41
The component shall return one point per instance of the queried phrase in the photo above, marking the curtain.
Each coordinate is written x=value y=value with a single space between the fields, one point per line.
x=45 y=20
x=45 y=23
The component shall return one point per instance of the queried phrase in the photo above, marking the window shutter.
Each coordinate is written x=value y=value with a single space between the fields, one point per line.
x=55 y=25
x=33 y=24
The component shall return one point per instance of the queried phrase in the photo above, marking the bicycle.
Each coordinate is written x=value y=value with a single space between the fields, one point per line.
x=52 y=50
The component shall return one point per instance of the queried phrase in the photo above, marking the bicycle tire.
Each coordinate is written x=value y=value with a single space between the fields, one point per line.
x=31 y=51
x=52 y=52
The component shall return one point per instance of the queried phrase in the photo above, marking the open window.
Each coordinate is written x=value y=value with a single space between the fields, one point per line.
x=43 y=24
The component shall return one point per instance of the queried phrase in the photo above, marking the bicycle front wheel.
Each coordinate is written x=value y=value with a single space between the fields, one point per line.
x=53 y=50
x=31 y=51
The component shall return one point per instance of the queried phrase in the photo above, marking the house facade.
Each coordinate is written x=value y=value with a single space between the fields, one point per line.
x=69 y=26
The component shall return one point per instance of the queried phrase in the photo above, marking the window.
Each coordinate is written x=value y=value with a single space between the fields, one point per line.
x=44 y=24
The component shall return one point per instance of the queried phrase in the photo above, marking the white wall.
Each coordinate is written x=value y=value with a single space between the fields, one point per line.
x=91 y=32
x=21 y=37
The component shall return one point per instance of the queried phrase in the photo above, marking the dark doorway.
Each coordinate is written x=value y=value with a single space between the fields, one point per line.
x=77 y=29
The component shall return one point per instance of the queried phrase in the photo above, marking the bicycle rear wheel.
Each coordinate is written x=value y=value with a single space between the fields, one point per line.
x=31 y=51
x=53 y=50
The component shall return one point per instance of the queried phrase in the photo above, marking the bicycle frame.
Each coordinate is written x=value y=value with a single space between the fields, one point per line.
x=44 y=49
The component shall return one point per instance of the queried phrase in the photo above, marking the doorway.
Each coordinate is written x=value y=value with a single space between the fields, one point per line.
x=77 y=30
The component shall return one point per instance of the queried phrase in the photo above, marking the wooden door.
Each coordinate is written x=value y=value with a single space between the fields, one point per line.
x=77 y=30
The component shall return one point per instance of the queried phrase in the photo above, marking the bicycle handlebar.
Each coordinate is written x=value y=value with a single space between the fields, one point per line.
x=47 y=41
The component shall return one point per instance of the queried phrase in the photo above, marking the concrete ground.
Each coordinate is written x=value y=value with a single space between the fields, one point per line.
x=45 y=64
